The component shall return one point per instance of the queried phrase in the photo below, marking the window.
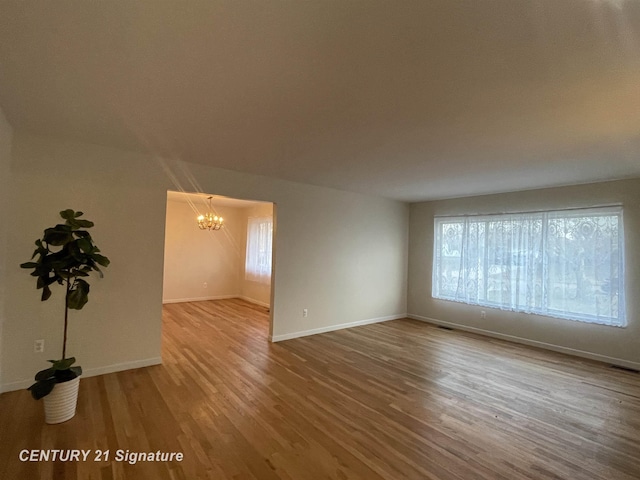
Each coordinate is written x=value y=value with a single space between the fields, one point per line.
x=258 y=261
x=565 y=264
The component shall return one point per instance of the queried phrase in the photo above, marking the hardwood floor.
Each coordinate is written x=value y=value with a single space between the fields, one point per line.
x=394 y=400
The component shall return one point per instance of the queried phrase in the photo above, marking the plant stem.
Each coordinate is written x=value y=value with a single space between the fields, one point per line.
x=66 y=316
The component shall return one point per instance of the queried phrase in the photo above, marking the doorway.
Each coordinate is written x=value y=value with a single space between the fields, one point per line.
x=232 y=262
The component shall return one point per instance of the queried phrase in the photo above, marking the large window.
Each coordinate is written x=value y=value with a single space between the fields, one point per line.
x=566 y=264
x=258 y=260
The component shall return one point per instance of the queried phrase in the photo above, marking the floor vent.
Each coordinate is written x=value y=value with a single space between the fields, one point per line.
x=626 y=369
x=444 y=328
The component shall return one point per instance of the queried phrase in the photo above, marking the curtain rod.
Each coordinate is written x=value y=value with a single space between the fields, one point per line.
x=514 y=212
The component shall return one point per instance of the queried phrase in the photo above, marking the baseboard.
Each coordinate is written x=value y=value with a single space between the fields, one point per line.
x=331 y=328
x=199 y=299
x=531 y=343
x=216 y=297
x=90 y=372
x=254 y=301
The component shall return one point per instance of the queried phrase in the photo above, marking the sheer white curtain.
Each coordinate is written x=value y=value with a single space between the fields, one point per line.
x=566 y=264
x=258 y=260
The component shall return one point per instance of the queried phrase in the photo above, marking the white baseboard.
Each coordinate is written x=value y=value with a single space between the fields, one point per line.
x=90 y=372
x=331 y=328
x=199 y=299
x=532 y=343
x=215 y=297
x=253 y=300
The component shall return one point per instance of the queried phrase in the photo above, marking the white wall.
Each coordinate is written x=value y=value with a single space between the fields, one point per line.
x=617 y=345
x=256 y=292
x=119 y=327
x=194 y=257
x=341 y=255
x=6 y=135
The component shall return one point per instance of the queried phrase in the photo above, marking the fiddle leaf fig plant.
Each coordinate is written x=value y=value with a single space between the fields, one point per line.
x=64 y=255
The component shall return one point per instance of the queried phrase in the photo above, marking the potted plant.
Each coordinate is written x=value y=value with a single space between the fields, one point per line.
x=65 y=255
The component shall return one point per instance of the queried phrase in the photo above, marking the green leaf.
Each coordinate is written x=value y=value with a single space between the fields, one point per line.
x=44 y=374
x=65 y=375
x=97 y=269
x=84 y=223
x=78 y=296
x=58 y=235
x=28 y=265
x=68 y=214
x=74 y=250
x=42 y=389
x=46 y=293
x=101 y=259
x=85 y=245
x=41 y=250
x=63 y=364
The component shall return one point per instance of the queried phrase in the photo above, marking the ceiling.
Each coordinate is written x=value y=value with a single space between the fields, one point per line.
x=202 y=200
x=411 y=100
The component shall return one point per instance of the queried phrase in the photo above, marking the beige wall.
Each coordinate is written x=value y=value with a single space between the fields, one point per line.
x=120 y=326
x=618 y=345
x=256 y=292
x=193 y=257
x=6 y=135
x=341 y=255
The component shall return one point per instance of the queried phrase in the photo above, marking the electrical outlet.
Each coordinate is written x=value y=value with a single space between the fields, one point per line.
x=204 y=285
x=38 y=346
x=305 y=312
x=483 y=314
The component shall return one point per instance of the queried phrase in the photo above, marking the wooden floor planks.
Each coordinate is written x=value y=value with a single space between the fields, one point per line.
x=400 y=399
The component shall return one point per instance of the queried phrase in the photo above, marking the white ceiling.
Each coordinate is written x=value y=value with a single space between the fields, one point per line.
x=202 y=200
x=410 y=100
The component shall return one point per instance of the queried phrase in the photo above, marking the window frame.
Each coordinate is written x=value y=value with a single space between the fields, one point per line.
x=545 y=310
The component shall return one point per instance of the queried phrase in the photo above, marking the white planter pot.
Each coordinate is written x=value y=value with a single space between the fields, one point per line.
x=60 y=404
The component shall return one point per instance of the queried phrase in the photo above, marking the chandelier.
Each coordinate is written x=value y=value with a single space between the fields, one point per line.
x=210 y=221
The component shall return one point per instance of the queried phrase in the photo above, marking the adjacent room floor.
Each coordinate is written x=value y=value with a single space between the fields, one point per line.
x=399 y=399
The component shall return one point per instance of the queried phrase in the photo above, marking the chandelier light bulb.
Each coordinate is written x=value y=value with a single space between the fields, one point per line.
x=209 y=221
